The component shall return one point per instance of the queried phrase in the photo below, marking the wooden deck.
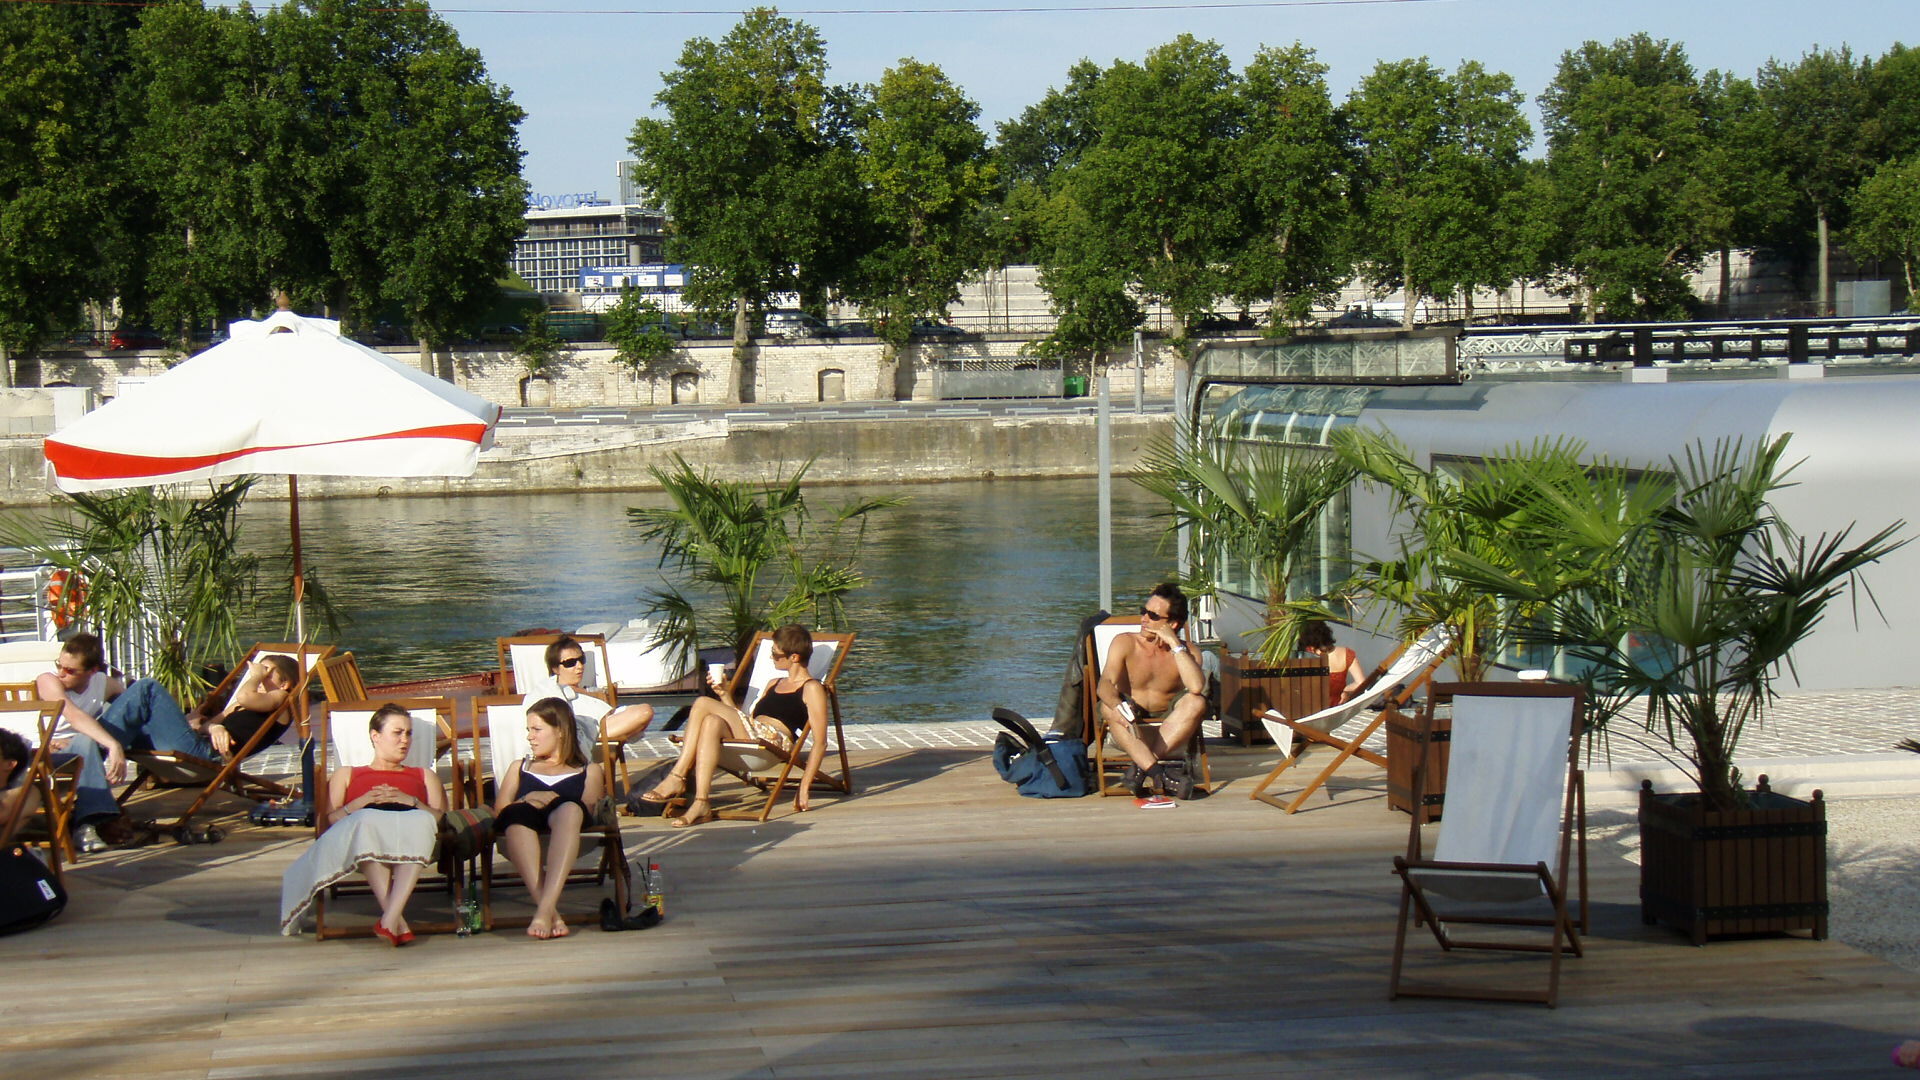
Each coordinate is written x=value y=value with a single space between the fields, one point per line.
x=935 y=926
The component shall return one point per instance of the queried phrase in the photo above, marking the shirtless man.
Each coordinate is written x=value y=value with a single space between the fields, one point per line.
x=1153 y=675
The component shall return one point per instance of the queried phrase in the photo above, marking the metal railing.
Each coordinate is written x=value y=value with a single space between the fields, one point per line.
x=26 y=615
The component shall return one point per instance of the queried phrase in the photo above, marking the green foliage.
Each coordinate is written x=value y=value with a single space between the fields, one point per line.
x=636 y=329
x=539 y=349
x=1886 y=220
x=1439 y=156
x=1821 y=137
x=1260 y=505
x=751 y=557
x=158 y=561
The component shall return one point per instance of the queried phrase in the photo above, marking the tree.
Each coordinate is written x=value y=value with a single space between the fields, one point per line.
x=1746 y=197
x=1627 y=158
x=758 y=547
x=1294 y=170
x=1886 y=220
x=751 y=162
x=1157 y=192
x=1439 y=155
x=637 y=331
x=1821 y=139
x=539 y=350
x=925 y=172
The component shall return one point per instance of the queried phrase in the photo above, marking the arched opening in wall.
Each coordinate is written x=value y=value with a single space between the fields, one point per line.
x=686 y=388
x=833 y=385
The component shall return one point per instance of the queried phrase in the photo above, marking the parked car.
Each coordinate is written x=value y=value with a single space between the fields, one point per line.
x=855 y=329
x=135 y=337
x=939 y=330
x=1354 y=317
x=1214 y=322
x=793 y=323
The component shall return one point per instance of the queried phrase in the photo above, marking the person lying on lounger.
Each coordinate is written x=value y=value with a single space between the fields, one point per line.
x=791 y=707
x=548 y=792
x=1153 y=675
x=252 y=703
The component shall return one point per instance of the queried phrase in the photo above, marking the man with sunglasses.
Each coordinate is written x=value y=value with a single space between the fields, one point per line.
x=1152 y=692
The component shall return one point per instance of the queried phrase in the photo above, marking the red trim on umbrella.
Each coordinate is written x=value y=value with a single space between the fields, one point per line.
x=86 y=463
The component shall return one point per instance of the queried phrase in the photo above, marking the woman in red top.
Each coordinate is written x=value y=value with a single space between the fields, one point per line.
x=1344 y=673
x=382 y=823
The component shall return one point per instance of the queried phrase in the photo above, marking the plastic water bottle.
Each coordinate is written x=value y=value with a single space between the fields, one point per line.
x=656 y=886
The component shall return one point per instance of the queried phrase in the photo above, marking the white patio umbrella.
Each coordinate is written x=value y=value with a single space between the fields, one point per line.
x=285 y=394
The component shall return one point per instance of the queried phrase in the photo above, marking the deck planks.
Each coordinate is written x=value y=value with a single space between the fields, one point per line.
x=934 y=928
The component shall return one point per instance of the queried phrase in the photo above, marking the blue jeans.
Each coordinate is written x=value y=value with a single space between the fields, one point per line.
x=143 y=717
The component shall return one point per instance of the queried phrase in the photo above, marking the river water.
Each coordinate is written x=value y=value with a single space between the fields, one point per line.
x=973 y=587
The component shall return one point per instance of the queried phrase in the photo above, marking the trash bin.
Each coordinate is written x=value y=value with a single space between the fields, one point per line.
x=1076 y=385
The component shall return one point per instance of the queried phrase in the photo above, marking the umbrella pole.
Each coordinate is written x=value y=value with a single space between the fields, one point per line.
x=299 y=571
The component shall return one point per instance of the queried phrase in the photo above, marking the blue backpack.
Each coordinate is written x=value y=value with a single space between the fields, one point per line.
x=1054 y=767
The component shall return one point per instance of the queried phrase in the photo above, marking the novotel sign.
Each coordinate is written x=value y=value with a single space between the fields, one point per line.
x=564 y=202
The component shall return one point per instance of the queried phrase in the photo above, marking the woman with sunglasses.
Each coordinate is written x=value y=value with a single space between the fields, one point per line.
x=566 y=673
x=791 y=707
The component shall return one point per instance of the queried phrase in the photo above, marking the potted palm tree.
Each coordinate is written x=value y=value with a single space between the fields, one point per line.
x=1689 y=625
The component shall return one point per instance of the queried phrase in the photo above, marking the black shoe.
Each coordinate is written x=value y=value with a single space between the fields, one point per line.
x=612 y=922
x=1134 y=781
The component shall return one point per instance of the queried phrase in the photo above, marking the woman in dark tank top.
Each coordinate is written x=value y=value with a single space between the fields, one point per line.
x=792 y=707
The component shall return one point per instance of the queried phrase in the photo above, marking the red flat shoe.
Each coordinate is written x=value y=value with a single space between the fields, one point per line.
x=405 y=938
x=381 y=930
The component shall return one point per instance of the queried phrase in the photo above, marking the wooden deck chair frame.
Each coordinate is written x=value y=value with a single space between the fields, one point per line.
x=594 y=646
x=612 y=863
x=1384 y=686
x=1103 y=761
x=440 y=722
x=44 y=798
x=764 y=766
x=175 y=769
x=1415 y=900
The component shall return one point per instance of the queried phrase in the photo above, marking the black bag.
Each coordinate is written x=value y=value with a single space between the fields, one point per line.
x=1039 y=768
x=29 y=894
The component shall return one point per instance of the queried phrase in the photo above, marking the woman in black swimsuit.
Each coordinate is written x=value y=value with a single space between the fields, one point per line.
x=791 y=707
x=549 y=792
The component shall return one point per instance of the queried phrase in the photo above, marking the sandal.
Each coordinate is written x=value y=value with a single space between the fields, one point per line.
x=691 y=818
x=659 y=796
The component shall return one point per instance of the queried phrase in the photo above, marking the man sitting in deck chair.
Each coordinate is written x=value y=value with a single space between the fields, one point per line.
x=101 y=719
x=1152 y=676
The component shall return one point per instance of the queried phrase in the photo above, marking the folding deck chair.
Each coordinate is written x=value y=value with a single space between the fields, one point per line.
x=766 y=767
x=1516 y=805
x=501 y=719
x=177 y=769
x=1391 y=685
x=342 y=740
x=1098 y=643
x=43 y=814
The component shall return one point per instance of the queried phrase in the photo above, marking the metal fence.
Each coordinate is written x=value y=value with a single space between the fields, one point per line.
x=997 y=378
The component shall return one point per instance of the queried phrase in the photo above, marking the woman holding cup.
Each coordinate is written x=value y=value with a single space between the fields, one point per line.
x=791 y=707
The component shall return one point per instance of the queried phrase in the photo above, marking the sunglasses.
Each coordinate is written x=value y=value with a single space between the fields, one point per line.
x=1151 y=615
x=65 y=670
x=574 y=662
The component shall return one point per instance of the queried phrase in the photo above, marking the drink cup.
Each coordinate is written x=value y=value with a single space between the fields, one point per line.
x=716 y=673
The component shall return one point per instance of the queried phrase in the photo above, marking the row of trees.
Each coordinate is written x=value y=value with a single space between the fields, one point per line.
x=1179 y=180
x=188 y=162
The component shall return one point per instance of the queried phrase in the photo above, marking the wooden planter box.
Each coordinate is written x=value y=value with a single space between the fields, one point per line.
x=1406 y=749
x=1249 y=687
x=1753 y=871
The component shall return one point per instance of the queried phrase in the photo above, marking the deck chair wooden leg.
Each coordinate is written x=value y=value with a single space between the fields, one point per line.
x=1400 y=940
x=1266 y=781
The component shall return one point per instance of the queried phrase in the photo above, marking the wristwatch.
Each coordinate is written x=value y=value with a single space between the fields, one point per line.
x=1179 y=648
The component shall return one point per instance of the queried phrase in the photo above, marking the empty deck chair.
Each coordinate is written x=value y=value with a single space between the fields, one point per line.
x=42 y=814
x=764 y=766
x=501 y=720
x=1105 y=761
x=1515 y=808
x=1390 y=687
x=177 y=769
x=342 y=740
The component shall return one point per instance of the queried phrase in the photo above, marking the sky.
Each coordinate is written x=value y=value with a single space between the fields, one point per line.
x=584 y=70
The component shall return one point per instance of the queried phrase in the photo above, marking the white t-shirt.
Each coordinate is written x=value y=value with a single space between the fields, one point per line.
x=90 y=699
x=588 y=710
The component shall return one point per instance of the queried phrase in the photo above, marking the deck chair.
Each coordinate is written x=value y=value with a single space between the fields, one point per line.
x=43 y=815
x=1098 y=643
x=523 y=664
x=177 y=769
x=341 y=740
x=1516 y=807
x=340 y=678
x=1390 y=687
x=765 y=766
x=501 y=720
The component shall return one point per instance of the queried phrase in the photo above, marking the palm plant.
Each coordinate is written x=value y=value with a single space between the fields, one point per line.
x=757 y=556
x=1700 y=608
x=1261 y=505
x=157 y=563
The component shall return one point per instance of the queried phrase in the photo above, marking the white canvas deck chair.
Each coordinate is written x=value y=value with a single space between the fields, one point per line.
x=1515 y=808
x=1099 y=643
x=501 y=719
x=343 y=740
x=764 y=766
x=175 y=769
x=41 y=817
x=1390 y=686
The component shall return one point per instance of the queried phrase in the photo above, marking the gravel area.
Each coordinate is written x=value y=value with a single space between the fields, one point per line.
x=1873 y=871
